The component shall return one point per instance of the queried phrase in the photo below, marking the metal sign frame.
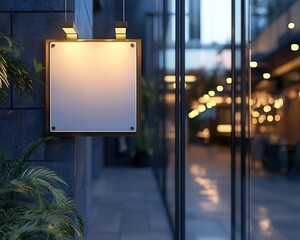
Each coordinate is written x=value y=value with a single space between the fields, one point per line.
x=61 y=88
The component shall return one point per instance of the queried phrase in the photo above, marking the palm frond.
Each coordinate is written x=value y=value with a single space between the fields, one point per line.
x=32 y=205
x=11 y=67
x=3 y=95
x=19 y=74
x=19 y=164
x=3 y=70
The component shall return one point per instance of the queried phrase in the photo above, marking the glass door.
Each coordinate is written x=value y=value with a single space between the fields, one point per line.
x=275 y=120
x=229 y=98
x=208 y=140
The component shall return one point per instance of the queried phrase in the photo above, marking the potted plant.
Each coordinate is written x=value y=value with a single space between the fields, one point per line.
x=32 y=203
x=142 y=148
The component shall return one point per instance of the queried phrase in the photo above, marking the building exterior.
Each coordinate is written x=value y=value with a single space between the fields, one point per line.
x=226 y=140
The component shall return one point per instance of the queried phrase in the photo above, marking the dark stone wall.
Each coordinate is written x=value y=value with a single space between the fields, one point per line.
x=31 y=22
x=84 y=18
x=22 y=120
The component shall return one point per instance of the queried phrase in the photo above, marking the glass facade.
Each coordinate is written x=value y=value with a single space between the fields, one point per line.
x=275 y=120
x=242 y=118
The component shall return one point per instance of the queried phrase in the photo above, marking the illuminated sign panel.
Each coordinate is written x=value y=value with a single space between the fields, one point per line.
x=93 y=86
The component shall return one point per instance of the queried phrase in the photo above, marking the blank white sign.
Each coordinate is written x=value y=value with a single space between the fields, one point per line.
x=93 y=86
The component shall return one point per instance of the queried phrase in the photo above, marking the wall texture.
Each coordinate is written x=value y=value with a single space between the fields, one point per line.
x=21 y=120
x=31 y=22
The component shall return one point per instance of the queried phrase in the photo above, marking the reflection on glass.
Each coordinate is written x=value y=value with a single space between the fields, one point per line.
x=208 y=122
x=275 y=120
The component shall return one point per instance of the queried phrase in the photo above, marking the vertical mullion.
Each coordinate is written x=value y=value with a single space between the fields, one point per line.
x=177 y=124
x=233 y=123
x=249 y=122
x=243 y=124
x=180 y=120
x=164 y=47
x=183 y=115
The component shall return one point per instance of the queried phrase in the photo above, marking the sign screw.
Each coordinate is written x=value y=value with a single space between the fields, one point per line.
x=52 y=45
x=132 y=128
x=53 y=128
x=132 y=44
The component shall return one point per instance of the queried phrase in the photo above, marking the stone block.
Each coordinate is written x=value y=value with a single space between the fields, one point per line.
x=42 y=26
x=18 y=128
x=5 y=26
x=36 y=5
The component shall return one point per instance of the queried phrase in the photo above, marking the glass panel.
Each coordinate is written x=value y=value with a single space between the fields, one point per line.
x=208 y=89
x=169 y=111
x=275 y=120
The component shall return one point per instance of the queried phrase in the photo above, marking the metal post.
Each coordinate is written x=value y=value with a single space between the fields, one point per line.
x=177 y=124
x=244 y=175
x=233 y=123
x=183 y=116
x=180 y=120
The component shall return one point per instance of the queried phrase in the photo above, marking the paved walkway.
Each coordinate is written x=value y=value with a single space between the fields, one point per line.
x=275 y=199
x=127 y=206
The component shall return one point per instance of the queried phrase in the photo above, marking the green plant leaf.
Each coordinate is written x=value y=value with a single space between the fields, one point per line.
x=38 y=67
x=32 y=205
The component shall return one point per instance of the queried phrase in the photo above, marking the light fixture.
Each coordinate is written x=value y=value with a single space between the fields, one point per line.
x=291 y=25
x=255 y=114
x=224 y=128
x=294 y=47
x=209 y=105
x=267 y=108
x=187 y=78
x=220 y=88
x=266 y=75
x=193 y=114
x=228 y=100
x=229 y=80
x=254 y=121
x=270 y=118
x=253 y=64
x=211 y=93
x=277 y=117
x=70 y=30
x=201 y=108
x=120 y=29
x=205 y=96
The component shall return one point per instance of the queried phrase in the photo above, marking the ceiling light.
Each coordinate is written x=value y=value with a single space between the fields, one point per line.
x=291 y=25
x=220 y=88
x=253 y=64
x=211 y=93
x=266 y=75
x=229 y=80
x=294 y=47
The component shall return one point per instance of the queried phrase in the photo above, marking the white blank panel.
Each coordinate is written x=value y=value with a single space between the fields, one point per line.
x=93 y=86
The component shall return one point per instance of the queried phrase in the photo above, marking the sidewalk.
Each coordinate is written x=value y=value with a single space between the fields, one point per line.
x=127 y=206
